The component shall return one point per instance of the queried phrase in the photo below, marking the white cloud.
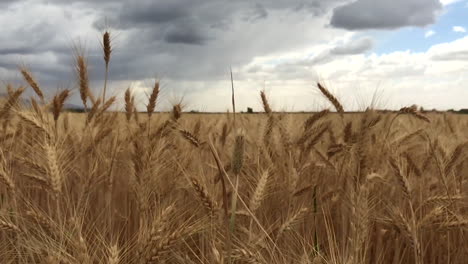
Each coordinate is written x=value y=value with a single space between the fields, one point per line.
x=459 y=29
x=429 y=33
x=449 y=2
x=403 y=78
x=450 y=51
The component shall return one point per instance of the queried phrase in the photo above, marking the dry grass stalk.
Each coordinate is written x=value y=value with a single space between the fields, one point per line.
x=28 y=77
x=108 y=104
x=266 y=105
x=128 y=104
x=303 y=190
x=259 y=193
x=196 y=128
x=152 y=99
x=159 y=229
x=10 y=89
x=94 y=110
x=412 y=165
x=413 y=110
x=176 y=112
x=291 y=221
x=402 y=180
x=455 y=157
x=444 y=199
x=309 y=123
x=82 y=73
x=409 y=229
x=233 y=98
x=36 y=107
x=190 y=138
x=11 y=102
x=136 y=115
x=463 y=223
x=106 y=45
x=204 y=197
x=114 y=253
x=246 y=255
x=333 y=100
x=238 y=154
x=163 y=247
x=9 y=227
x=224 y=134
x=5 y=175
x=317 y=135
x=54 y=169
x=407 y=138
x=33 y=121
x=42 y=220
x=58 y=102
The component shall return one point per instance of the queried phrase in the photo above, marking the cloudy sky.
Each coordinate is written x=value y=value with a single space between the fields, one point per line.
x=402 y=51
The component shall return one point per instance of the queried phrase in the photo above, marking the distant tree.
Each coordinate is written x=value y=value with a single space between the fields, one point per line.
x=249 y=110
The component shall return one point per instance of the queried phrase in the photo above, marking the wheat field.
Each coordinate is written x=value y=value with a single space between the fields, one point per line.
x=127 y=187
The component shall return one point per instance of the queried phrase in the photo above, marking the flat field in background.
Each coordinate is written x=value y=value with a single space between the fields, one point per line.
x=108 y=187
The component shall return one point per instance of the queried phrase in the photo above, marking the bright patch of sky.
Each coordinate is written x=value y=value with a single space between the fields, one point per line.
x=459 y=29
x=429 y=33
x=451 y=25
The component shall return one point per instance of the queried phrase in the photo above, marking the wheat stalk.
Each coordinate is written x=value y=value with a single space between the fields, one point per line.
x=107 y=49
x=58 y=102
x=82 y=73
x=128 y=104
x=333 y=100
x=29 y=78
x=259 y=192
x=266 y=105
x=205 y=198
x=152 y=99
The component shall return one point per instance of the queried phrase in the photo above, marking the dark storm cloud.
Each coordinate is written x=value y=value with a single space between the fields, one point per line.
x=385 y=14
x=259 y=11
x=174 y=39
x=207 y=14
x=154 y=12
x=16 y=50
x=185 y=34
x=155 y=31
x=4 y=3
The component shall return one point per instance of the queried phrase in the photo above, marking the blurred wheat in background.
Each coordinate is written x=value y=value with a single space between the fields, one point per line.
x=111 y=187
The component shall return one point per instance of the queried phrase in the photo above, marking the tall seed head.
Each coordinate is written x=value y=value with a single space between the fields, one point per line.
x=106 y=45
x=266 y=105
x=176 y=112
x=82 y=73
x=238 y=154
x=153 y=98
x=128 y=104
x=32 y=82
x=333 y=100
x=10 y=89
x=58 y=102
